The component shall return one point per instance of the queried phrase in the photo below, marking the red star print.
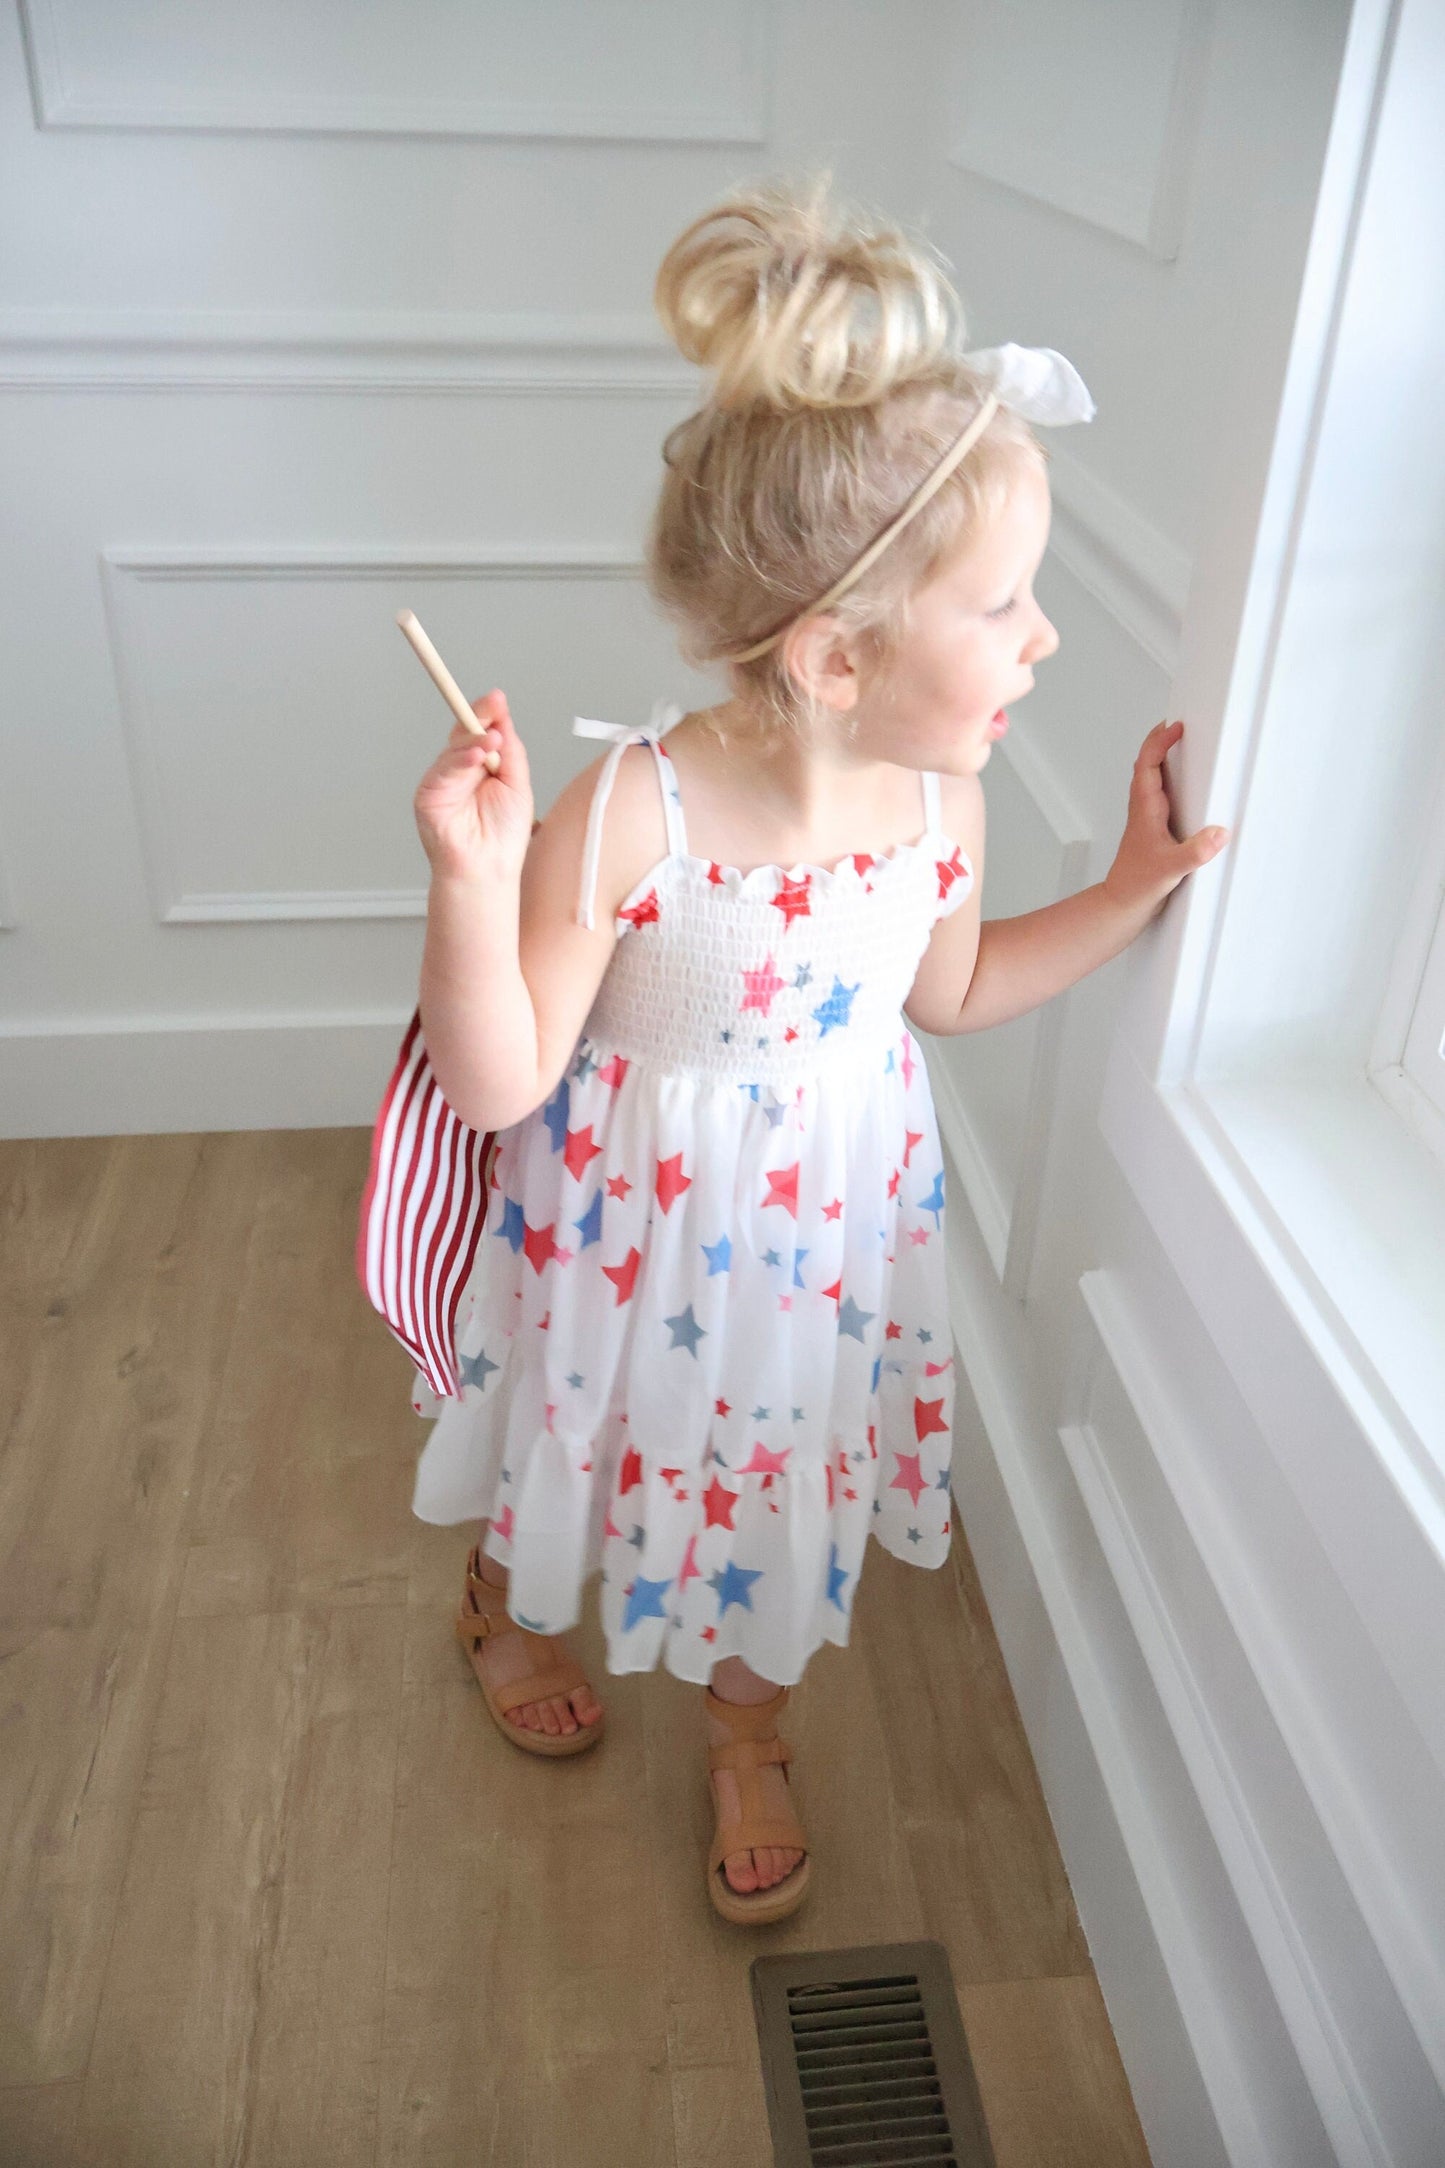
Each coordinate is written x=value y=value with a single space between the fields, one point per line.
x=669 y=1475
x=763 y=987
x=578 y=1150
x=718 y=1502
x=631 y=1472
x=764 y=1462
x=671 y=1181
x=950 y=870
x=538 y=1244
x=783 y=1187
x=618 y=1185
x=909 y=1476
x=836 y=1290
x=893 y=1181
x=609 y=1526
x=790 y=1033
x=832 y=1211
x=892 y=1331
x=709 y=1633
x=645 y=912
x=690 y=1568
x=928 y=1417
x=863 y=860
x=792 y=898
x=933 y=1370
x=614 y=1071
x=624 y=1276
x=910 y=1138
x=714 y=873
x=720 y=1407
x=504 y=1523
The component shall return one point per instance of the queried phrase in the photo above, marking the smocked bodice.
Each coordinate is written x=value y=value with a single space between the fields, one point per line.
x=774 y=975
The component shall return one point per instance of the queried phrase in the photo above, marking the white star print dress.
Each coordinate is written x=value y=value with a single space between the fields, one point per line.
x=705 y=1345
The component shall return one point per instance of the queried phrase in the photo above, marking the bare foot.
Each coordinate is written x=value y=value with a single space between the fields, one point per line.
x=507 y=1657
x=749 y=1870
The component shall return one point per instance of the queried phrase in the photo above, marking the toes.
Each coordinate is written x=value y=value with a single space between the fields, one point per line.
x=549 y=1718
x=566 y=1721
x=741 y=1872
x=585 y=1706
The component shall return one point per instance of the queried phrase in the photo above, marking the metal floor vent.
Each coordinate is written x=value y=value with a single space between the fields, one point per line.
x=865 y=2060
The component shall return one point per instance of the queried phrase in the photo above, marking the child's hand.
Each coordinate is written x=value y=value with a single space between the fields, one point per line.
x=471 y=822
x=1150 y=861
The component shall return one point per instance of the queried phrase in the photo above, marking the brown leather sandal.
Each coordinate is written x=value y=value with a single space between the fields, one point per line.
x=484 y=1613
x=754 y=1745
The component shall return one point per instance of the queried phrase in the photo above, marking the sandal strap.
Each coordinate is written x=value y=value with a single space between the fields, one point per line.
x=475 y=1626
x=754 y=1746
x=563 y=1678
x=749 y=1754
x=758 y=1720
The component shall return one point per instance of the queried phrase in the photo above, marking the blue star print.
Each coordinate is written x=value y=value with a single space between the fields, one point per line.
x=473 y=1369
x=933 y=1202
x=734 y=1585
x=513 y=1226
x=685 y=1330
x=719 y=1255
x=645 y=1601
x=798 y=1257
x=590 y=1224
x=851 y=1319
x=836 y=1578
x=555 y=1115
x=834 y=1010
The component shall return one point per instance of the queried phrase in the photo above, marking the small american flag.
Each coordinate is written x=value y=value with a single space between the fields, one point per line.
x=422 y=1214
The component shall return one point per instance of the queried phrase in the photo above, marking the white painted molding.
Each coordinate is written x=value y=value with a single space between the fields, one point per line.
x=1009 y=1224
x=175 y=905
x=1386 y=1914
x=502 y=353
x=725 y=111
x=158 y=1076
x=1332 y=1426
x=1030 y=152
x=1124 y=562
x=991 y=1366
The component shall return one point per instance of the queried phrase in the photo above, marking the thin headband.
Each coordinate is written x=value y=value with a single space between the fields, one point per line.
x=1034 y=381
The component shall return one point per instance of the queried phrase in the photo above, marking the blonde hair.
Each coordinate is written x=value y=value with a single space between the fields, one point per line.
x=835 y=347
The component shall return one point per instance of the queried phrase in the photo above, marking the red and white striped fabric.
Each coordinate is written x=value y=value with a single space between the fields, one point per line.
x=422 y=1214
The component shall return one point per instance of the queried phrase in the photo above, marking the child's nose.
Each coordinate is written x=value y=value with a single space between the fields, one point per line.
x=1045 y=640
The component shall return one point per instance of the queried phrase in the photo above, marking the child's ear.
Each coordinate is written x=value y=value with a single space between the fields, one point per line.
x=822 y=660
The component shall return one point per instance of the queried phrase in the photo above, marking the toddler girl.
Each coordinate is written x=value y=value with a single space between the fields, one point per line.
x=705 y=1347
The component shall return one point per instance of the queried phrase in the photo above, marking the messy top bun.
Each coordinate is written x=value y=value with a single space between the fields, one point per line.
x=834 y=346
x=792 y=305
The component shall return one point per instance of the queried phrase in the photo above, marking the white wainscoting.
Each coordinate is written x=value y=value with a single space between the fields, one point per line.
x=398 y=70
x=1046 y=104
x=240 y=713
x=517 y=353
x=994 y=1091
x=1284 y=1719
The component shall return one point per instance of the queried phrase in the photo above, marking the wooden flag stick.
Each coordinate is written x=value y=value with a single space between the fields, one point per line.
x=443 y=680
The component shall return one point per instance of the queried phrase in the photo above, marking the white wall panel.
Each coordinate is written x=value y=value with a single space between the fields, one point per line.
x=995 y=1090
x=1088 y=106
x=645 y=69
x=249 y=685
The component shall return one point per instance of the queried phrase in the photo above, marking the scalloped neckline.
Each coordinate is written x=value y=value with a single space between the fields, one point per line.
x=736 y=879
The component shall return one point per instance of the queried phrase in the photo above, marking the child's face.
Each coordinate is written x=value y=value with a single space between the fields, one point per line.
x=974 y=636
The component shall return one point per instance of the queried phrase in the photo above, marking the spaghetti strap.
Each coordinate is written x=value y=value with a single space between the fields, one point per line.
x=932 y=808
x=584 y=727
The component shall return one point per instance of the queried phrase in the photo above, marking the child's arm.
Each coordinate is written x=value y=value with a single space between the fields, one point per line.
x=1023 y=962
x=508 y=976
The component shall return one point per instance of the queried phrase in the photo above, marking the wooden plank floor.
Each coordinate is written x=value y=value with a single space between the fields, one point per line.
x=274 y=1894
